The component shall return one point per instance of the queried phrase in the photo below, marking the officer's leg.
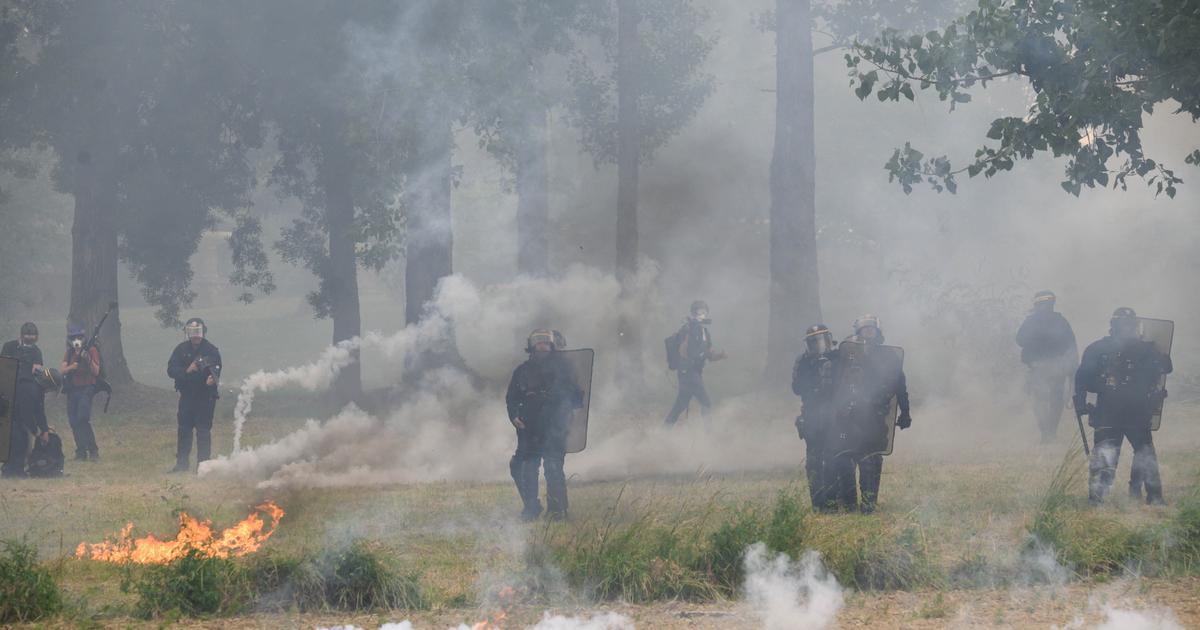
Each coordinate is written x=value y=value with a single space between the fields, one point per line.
x=681 y=399
x=840 y=470
x=553 y=457
x=701 y=393
x=1052 y=408
x=524 y=469
x=21 y=434
x=870 y=470
x=85 y=421
x=813 y=469
x=183 y=447
x=205 y=408
x=1145 y=462
x=1106 y=449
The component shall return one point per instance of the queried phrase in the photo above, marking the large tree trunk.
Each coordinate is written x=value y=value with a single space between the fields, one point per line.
x=429 y=239
x=94 y=263
x=629 y=365
x=794 y=290
x=341 y=281
x=533 y=198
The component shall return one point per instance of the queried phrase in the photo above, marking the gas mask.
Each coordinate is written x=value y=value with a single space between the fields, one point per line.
x=193 y=331
x=76 y=343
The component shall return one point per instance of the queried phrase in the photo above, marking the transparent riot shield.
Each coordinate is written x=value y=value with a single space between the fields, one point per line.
x=1160 y=332
x=8 y=391
x=581 y=365
x=894 y=372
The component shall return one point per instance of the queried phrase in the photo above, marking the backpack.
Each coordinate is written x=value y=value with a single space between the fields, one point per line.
x=673 y=342
x=47 y=459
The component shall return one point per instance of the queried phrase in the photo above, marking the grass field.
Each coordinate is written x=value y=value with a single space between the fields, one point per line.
x=963 y=524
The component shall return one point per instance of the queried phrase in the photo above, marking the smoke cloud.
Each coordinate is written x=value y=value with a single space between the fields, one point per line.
x=784 y=594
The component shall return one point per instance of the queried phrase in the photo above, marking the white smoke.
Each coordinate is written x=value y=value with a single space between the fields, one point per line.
x=606 y=621
x=1128 y=619
x=786 y=595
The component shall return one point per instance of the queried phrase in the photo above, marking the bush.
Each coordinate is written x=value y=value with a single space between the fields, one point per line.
x=356 y=579
x=194 y=585
x=28 y=591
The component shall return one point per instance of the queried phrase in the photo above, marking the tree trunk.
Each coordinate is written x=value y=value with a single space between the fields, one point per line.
x=429 y=239
x=94 y=263
x=794 y=289
x=629 y=365
x=341 y=280
x=533 y=198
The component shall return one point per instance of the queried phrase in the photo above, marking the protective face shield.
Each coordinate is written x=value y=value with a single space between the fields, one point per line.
x=1044 y=301
x=867 y=327
x=699 y=312
x=194 y=329
x=560 y=341
x=540 y=341
x=1124 y=323
x=818 y=339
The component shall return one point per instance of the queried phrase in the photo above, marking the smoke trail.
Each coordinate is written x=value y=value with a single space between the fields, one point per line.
x=607 y=621
x=788 y=595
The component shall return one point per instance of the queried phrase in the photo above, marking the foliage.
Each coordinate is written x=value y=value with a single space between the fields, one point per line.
x=195 y=585
x=354 y=579
x=1096 y=69
x=671 y=84
x=28 y=592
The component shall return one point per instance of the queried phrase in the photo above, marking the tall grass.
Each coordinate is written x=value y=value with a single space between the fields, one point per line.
x=28 y=592
x=194 y=585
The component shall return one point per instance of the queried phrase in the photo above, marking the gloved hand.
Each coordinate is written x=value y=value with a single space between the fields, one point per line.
x=904 y=421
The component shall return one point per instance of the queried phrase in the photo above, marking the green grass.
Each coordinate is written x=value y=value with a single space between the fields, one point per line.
x=28 y=591
x=947 y=520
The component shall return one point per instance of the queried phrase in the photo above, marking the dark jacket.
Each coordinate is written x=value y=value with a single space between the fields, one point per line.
x=543 y=392
x=1122 y=372
x=26 y=356
x=695 y=346
x=192 y=384
x=1046 y=336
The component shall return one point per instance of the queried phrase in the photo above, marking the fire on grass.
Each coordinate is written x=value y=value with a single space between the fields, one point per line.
x=245 y=537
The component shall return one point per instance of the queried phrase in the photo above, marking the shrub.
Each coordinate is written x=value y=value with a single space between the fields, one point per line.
x=194 y=585
x=355 y=579
x=28 y=591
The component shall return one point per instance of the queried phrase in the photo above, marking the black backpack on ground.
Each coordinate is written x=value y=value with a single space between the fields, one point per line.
x=47 y=459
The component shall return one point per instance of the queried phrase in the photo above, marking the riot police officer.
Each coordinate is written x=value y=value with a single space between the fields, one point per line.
x=692 y=347
x=195 y=366
x=1048 y=349
x=867 y=377
x=541 y=395
x=1124 y=372
x=812 y=381
x=29 y=404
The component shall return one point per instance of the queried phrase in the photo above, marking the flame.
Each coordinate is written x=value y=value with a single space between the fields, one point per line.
x=491 y=624
x=245 y=537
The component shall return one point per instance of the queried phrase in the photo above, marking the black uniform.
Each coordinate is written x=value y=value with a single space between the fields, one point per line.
x=542 y=393
x=812 y=381
x=695 y=347
x=1124 y=373
x=1048 y=348
x=864 y=388
x=29 y=406
x=197 y=400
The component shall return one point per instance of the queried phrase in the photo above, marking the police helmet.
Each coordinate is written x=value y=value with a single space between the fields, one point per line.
x=560 y=340
x=29 y=328
x=865 y=321
x=195 y=327
x=541 y=335
x=1124 y=322
x=818 y=339
x=1042 y=297
x=699 y=311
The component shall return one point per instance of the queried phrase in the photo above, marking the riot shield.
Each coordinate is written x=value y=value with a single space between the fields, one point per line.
x=8 y=391
x=1160 y=332
x=860 y=368
x=894 y=403
x=581 y=365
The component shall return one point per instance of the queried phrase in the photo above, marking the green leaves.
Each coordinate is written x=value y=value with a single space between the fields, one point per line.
x=1096 y=67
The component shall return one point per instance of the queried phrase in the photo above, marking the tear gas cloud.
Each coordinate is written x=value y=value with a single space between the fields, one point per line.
x=785 y=594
